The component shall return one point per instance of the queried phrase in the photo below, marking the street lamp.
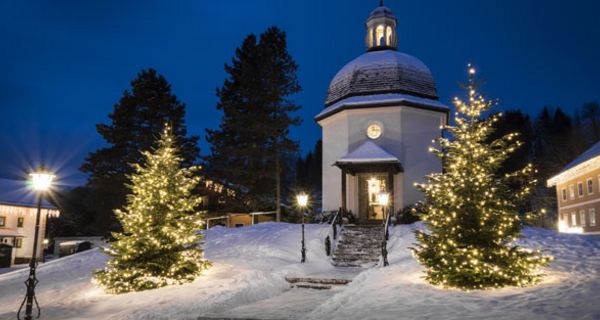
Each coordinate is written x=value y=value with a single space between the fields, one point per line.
x=41 y=182
x=384 y=198
x=302 y=199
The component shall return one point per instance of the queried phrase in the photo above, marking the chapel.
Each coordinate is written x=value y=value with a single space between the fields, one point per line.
x=381 y=113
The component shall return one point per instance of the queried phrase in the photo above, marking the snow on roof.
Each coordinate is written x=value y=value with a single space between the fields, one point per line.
x=368 y=152
x=382 y=12
x=377 y=100
x=5 y=232
x=72 y=243
x=580 y=165
x=19 y=193
x=382 y=71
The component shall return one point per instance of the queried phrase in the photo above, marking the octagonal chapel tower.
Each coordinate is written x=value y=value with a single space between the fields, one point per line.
x=381 y=114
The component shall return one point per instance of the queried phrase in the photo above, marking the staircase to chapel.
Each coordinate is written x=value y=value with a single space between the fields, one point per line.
x=358 y=246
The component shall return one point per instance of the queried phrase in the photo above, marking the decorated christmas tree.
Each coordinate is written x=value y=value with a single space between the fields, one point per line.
x=471 y=211
x=160 y=243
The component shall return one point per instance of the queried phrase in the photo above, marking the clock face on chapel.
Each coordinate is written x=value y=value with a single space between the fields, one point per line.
x=374 y=131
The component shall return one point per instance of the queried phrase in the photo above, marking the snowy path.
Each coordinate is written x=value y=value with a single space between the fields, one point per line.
x=294 y=303
x=248 y=279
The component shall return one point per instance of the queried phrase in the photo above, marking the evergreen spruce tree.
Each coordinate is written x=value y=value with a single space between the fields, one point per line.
x=471 y=211
x=160 y=244
x=252 y=141
x=136 y=120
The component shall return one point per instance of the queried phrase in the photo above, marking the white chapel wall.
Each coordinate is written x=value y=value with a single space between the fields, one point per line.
x=335 y=146
x=407 y=134
x=420 y=127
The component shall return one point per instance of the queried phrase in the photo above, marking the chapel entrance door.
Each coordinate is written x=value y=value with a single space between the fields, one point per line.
x=370 y=185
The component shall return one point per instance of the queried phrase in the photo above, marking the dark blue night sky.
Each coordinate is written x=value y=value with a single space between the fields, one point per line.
x=63 y=64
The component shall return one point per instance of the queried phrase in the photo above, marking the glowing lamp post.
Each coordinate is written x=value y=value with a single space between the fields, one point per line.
x=302 y=200
x=384 y=199
x=41 y=181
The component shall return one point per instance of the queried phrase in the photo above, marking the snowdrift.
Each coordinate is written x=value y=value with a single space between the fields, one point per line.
x=249 y=264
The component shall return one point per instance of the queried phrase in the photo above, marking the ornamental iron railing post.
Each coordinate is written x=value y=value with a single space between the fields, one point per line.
x=303 y=245
x=32 y=281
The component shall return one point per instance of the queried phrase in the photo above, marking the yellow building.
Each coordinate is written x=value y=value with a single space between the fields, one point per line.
x=578 y=193
x=237 y=220
x=18 y=209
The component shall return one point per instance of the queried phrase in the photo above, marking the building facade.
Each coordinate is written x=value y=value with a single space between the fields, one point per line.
x=18 y=210
x=381 y=114
x=17 y=228
x=578 y=193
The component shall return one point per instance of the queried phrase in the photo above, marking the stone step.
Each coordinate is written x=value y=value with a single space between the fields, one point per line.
x=306 y=285
x=355 y=264
x=359 y=245
x=358 y=232
x=353 y=253
x=355 y=257
x=365 y=241
x=328 y=281
x=363 y=236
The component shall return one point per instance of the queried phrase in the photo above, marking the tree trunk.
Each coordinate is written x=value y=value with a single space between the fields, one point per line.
x=278 y=186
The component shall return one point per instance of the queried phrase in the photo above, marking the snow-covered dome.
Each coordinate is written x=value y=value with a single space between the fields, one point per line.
x=382 y=71
x=381 y=11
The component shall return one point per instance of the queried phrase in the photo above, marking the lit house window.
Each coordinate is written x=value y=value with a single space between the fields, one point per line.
x=582 y=217
x=20 y=221
x=2 y=221
x=564 y=194
x=18 y=242
x=580 y=189
x=573 y=219
x=590 y=186
x=592 y=217
x=572 y=192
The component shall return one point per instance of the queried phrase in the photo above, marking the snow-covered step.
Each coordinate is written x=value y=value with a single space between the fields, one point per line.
x=355 y=264
x=316 y=283
x=359 y=246
x=330 y=281
x=307 y=285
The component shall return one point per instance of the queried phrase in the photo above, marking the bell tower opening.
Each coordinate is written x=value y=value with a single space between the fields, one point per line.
x=381 y=29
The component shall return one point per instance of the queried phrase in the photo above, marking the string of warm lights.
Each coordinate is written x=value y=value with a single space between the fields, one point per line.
x=160 y=244
x=471 y=212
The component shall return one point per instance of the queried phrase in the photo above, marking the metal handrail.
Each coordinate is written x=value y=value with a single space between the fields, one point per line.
x=329 y=244
x=386 y=237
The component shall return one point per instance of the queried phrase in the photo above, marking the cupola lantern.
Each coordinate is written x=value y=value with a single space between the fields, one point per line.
x=381 y=29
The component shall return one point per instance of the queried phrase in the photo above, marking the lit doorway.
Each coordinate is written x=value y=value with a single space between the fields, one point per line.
x=370 y=185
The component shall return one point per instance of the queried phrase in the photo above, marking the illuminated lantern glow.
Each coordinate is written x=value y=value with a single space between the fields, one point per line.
x=41 y=181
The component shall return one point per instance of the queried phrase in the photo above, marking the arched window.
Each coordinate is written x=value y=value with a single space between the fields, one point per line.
x=389 y=32
x=379 y=36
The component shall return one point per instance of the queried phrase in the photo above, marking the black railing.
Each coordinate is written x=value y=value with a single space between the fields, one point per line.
x=386 y=237
x=335 y=222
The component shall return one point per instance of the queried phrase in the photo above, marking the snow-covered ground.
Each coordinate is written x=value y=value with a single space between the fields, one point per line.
x=247 y=278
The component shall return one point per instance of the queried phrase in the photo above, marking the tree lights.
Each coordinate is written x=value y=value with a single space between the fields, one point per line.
x=160 y=243
x=471 y=212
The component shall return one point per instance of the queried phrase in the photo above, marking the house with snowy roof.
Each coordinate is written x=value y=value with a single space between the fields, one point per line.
x=18 y=210
x=578 y=193
x=381 y=114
